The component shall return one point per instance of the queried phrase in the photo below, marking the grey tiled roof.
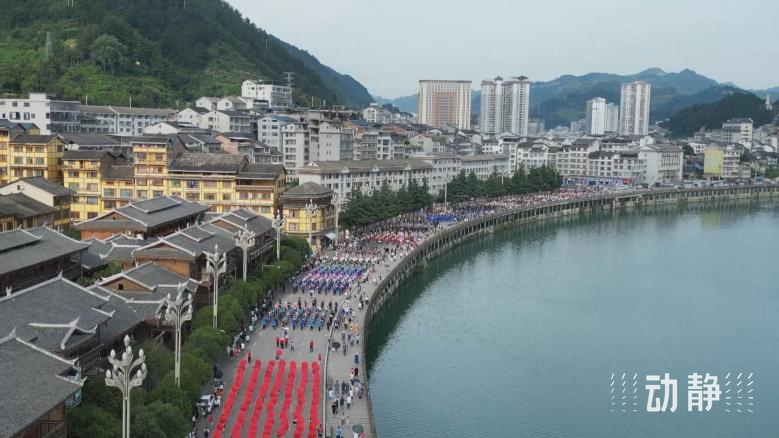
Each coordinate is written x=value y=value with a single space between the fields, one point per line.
x=46 y=185
x=261 y=171
x=207 y=162
x=23 y=248
x=33 y=384
x=147 y=214
x=190 y=242
x=92 y=258
x=20 y=205
x=90 y=139
x=243 y=218
x=308 y=189
x=50 y=313
x=33 y=139
x=118 y=172
x=88 y=154
x=364 y=165
x=484 y=157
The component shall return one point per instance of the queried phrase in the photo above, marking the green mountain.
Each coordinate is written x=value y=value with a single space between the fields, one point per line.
x=711 y=115
x=156 y=51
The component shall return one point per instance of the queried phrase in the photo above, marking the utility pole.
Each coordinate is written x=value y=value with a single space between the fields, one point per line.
x=178 y=311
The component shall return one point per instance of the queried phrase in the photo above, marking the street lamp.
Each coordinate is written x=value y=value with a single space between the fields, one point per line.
x=337 y=201
x=216 y=263
x=177 y=312
x=310 y=209
x=121 y=376
x=278 y=225
x=245 y=240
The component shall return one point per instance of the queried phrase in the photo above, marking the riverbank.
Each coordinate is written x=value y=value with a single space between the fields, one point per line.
x=454 y=235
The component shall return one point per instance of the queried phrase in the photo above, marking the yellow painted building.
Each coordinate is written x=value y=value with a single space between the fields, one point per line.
x=29 y=155
x=162 y=167
x=83 y=172
x=8 y=130
x=296 y=219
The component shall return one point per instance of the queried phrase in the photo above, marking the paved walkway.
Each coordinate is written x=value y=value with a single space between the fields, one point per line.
x=262 y=344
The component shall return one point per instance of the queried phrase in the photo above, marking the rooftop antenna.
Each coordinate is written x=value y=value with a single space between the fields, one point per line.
x=49 y=48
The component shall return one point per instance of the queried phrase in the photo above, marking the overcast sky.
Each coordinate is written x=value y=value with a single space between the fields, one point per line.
x=389 y=45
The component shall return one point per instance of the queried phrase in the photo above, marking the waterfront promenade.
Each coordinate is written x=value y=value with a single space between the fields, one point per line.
x=337 y=366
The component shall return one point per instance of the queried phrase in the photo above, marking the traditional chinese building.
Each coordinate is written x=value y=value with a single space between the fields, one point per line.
x=297 y=221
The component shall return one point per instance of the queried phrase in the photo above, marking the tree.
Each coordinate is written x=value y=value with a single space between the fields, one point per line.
x=108 y=52
x=159 y=360
x=688 y=150
x=92 y=421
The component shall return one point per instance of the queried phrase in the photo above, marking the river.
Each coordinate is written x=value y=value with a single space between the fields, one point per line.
x=517 y=334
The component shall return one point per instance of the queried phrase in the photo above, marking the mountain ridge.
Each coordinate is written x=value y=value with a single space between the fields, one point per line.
x=158 y=53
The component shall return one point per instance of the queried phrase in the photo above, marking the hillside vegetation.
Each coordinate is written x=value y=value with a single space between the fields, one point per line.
x=156 y=51
x=711 y=115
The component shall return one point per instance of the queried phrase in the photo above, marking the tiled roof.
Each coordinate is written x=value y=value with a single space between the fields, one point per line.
x=198 y=162
x=45 y=185
x=147 y=214
x=20 y=249
x=243 y=218
x=118 y=172
x=50 y=313
x=21 y=206
x=34 y=383
x=363 y=165
x=308 y=189
x=88 y=154
x=33 y=139
x=261 y=171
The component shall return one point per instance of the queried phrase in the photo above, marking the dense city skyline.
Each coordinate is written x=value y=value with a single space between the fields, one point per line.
x=665 y=34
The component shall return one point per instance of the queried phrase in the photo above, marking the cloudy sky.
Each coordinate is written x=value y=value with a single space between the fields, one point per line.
x=389 y=45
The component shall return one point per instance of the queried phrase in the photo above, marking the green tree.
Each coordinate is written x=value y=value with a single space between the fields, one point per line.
x=108 y=52
x=92 y=421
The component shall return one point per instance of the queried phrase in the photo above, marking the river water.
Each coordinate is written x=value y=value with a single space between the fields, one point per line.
x=517 y=334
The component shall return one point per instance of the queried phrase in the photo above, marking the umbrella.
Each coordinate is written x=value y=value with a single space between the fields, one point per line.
x=336 y=344
x=357 y=428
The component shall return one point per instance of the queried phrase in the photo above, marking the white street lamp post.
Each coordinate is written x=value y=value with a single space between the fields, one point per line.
x=121 y=376
x=216 y=263
x=278 y=225
x=337 y=202
x=245 y=240
x=310 y=209
x=177 y=312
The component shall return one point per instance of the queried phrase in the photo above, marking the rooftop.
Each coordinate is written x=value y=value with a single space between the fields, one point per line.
x=364 y=166
x=146 y=215
x=33 y=139
x=21 y=206
x=45 y=185
x=200 y=162
x=308 y=189
x=20 y=248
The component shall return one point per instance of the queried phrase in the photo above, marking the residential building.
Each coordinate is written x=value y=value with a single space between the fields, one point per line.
x=527 y=155
x=365 y=175
x=634 y=108
x=144 y=219
x=296 y=147
x=596 y=116
x=95 y=142
x=270 y=129
x=536 y=127
x=738 y=130
x=485 y=165
x=571 y=159
x=614 y=168
x=50 y=115
x=298 y=223
x=226 y=121
x=121 y=121
x=336 y=142
x=191 y=115
x=52 y=195
x=446 y=166
x=277 y=95
x=505 y=105
x=722 y=161
x=662 y=163
x=443 y=102
x=34 y=155
x=28 y=256
x=376 y=114
x=612 y=118
x=82 y=174
x=366 y=144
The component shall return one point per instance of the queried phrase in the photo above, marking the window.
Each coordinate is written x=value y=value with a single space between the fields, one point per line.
x=175 y=183
x=293 y=227
x=91 y=200
x=225 y=197
x=191 y=184
x=92 y=187
x=109 y=192
x=159 y=157
x=91 y=174
x=126 y=193
x=209 y=183
x=227 y=184
x=140 y=194
x=140 y=156
x=157 y=193
x=209 y=196
x=73 y=186
x=193 y=196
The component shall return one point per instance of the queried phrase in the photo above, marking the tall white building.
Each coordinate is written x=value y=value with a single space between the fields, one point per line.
x=48 y=114
x=505 y=105
x=443 y=103
x=612 y=117
x=121 y=121
x=596 y=116
x=277 y=96
x=634 y=108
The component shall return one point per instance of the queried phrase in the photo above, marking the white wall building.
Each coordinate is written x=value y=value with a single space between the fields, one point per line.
x=505 y=105
x=662 y=163
x=120 y=120
x=336 y=143
x=345 y=177
x=49 y=115
x=446 y=166
x=634 y=108
x=208 y=103
x=226 y=121
x=296 y=147
x=485 y=165
x=270 y=129
x=277 y=96
x=443 y=102
x=528 y=155
x=596 y=116
x=612 y=118
x=738 y=130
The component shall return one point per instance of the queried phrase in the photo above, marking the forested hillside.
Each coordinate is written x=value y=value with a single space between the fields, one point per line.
x=711 y=115
x=155 y=51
